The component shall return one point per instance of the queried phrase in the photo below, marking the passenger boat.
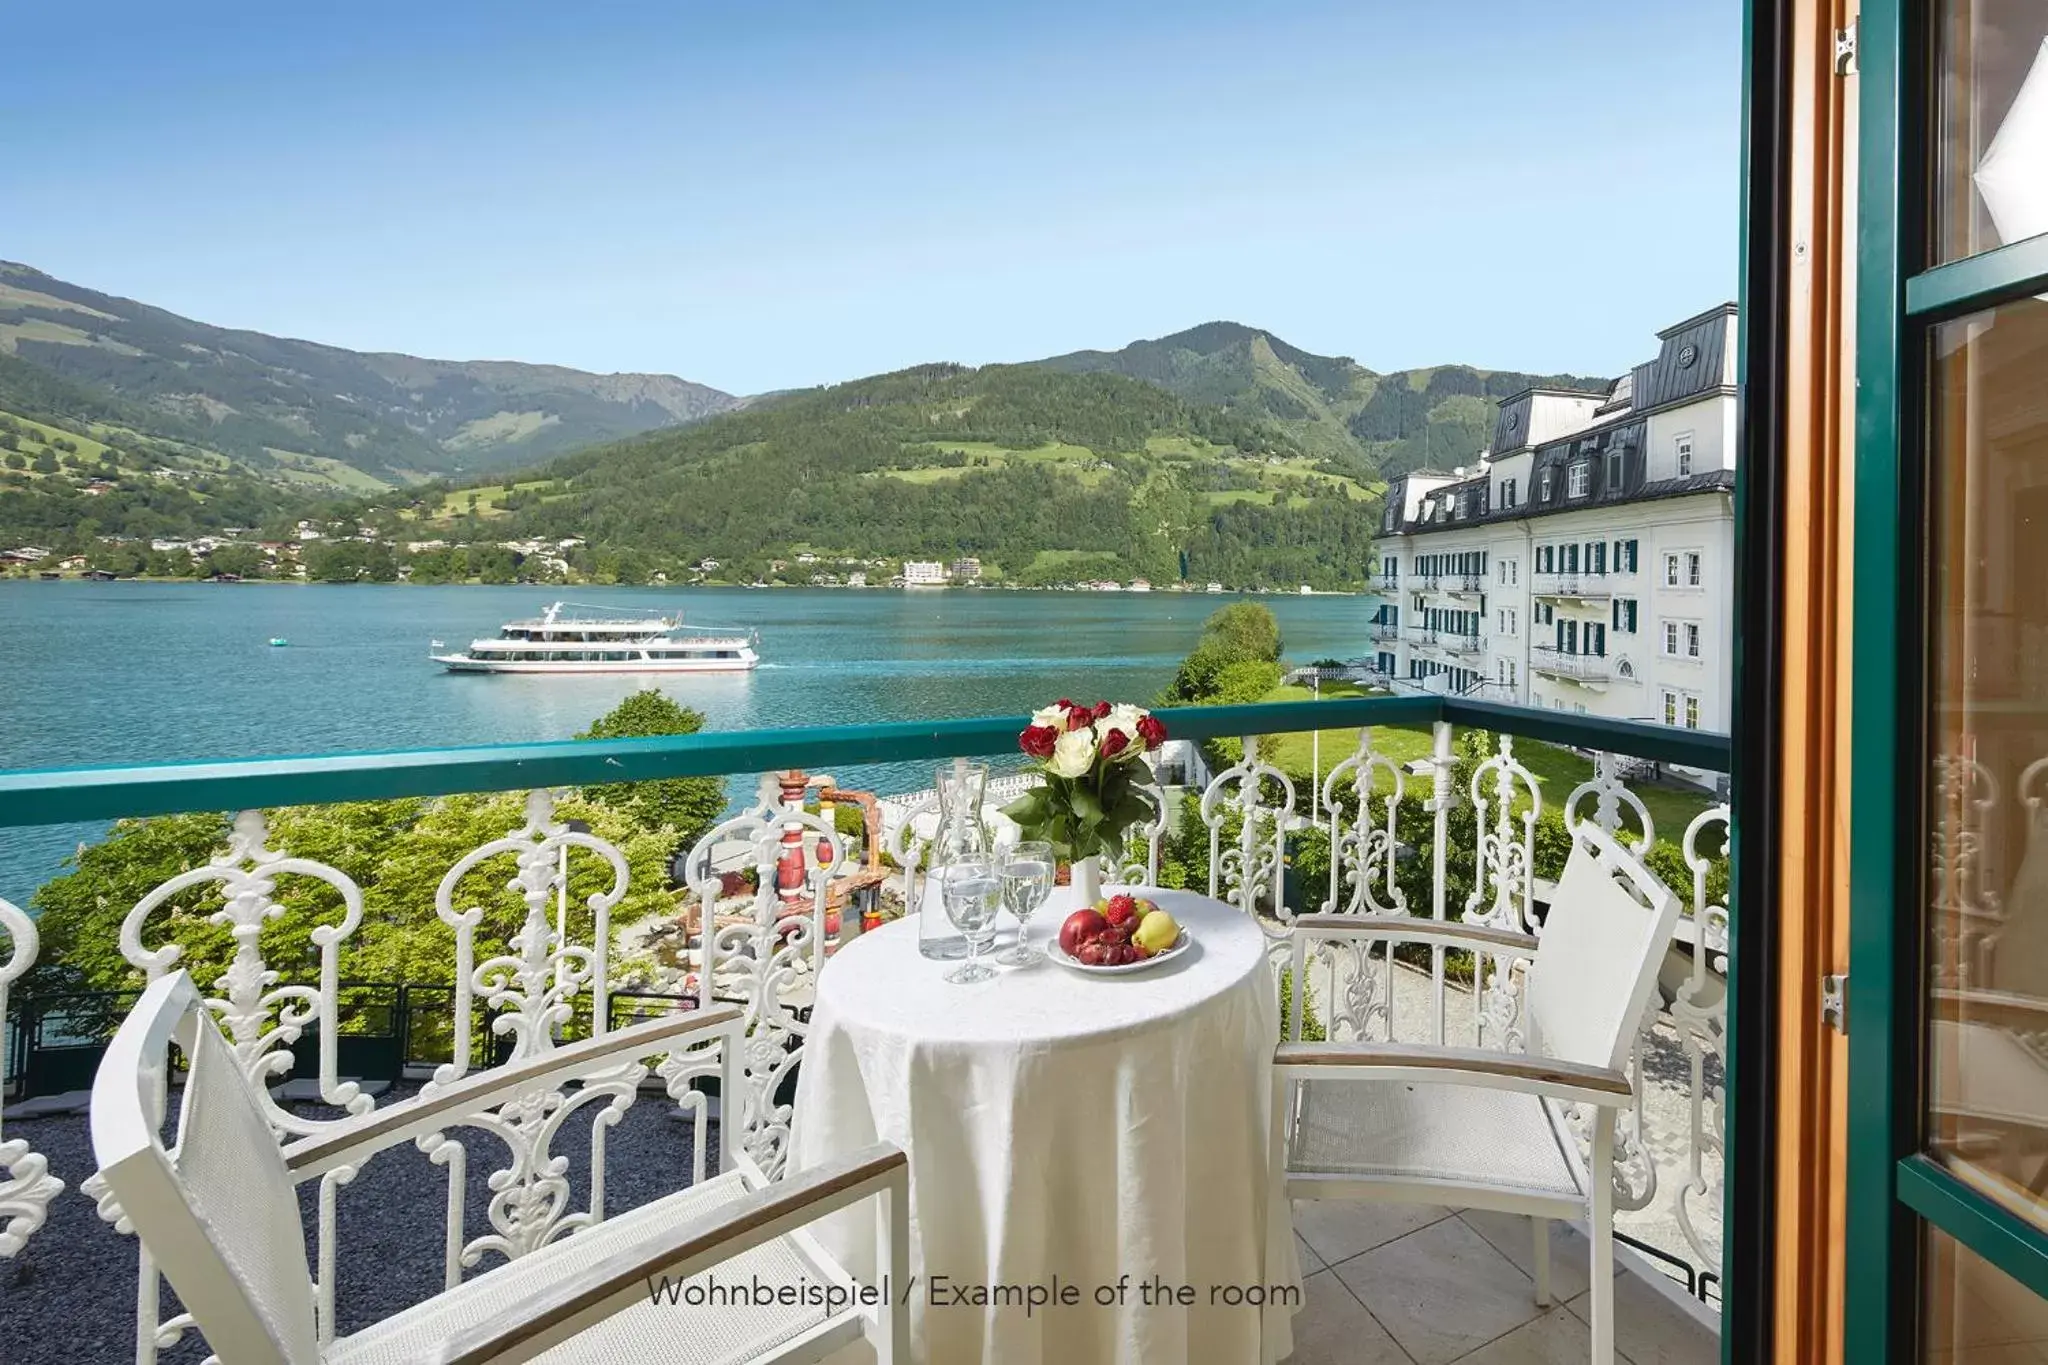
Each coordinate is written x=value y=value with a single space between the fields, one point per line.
x=559 y=643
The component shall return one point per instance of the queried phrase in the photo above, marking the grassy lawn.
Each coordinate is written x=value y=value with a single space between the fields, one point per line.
x=490 y=500
x=323 y=471
x=1672 y=806
x=933 y=474
x=40 y=436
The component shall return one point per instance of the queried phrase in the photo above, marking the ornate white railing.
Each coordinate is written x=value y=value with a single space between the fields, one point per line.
x=763 y=948
x=28 y=1188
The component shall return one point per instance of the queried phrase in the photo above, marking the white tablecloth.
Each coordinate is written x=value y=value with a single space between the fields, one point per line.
x=1114 y=1133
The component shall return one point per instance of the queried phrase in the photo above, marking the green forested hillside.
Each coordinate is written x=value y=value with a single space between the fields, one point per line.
x=76 y=463
x=1045 y=476
x=1379 y=424
x=273 y=403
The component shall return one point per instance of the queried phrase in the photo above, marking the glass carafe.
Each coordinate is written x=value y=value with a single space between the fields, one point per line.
x=959 y=834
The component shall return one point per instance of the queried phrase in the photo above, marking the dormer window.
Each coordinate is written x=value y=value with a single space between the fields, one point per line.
x=1545 y=484
x=1581 y=479
x=1614 y=471
x=1507 y=493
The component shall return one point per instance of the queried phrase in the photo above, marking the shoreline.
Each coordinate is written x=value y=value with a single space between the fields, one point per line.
x=668 y=587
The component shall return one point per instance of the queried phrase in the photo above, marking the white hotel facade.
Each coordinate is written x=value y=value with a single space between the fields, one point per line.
x=1587 y=562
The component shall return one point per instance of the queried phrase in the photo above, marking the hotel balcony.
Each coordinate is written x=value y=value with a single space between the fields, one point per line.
x=1553 y=662
x=1384 y=632
x=1581 y=587
x=1422 y=637
x=1456 y=642
x=1464 y=585
x=759 y=908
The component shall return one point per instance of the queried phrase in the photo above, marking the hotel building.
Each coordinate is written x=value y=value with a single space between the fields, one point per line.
x=1586 y=562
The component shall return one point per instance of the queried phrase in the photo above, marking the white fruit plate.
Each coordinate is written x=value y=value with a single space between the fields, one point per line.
x=1059 y=955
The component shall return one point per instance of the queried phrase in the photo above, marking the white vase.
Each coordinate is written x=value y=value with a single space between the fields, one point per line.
x=1088 y=879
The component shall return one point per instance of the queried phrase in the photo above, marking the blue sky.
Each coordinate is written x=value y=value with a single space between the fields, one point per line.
x=764 y=195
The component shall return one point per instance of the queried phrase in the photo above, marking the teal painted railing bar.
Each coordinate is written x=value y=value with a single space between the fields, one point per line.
x=64 y=795
x=1637 y=739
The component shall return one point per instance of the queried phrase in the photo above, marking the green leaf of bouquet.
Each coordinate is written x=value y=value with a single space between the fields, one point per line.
x=1085 y=804
x=1028 y=808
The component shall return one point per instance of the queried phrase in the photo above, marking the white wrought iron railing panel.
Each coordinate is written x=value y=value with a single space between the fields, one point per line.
x=28 y=1186
x=766 y=957
x=1390 y=827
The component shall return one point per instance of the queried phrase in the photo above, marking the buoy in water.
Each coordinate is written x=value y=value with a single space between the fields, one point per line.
x=278 y=642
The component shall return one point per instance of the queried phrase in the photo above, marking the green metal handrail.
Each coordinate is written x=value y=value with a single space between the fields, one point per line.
x=54 y=796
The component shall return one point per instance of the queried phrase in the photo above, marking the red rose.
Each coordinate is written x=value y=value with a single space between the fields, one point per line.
x=1037 y=740
x=1114 y=743
x=1078 y=717
x=1152 y=731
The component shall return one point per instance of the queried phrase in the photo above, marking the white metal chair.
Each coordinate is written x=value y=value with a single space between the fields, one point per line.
x=1482 y=1127
x=218 y=1212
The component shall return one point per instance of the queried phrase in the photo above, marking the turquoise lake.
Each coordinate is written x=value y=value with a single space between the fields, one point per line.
x=117 y=673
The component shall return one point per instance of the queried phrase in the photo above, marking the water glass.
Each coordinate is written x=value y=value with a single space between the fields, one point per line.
x=972 y=891
x=1027 y=872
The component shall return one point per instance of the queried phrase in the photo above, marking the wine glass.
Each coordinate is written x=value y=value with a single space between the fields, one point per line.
x=1027 y=880
x=972 y=891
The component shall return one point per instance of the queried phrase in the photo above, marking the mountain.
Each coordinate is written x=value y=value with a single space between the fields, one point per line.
x=1377 y=424
x=1045 y=476
x=277 y=405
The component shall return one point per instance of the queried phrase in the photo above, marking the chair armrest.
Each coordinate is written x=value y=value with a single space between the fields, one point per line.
x=587 y=1294
x=1429 y=1065
x=353 y=1139
x=1413 y=929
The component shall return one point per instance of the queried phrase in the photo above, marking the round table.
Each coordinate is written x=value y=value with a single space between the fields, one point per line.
x=1093 y=1170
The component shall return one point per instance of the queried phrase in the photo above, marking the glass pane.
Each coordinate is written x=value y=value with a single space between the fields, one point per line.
x=1987 y=887
x=1976 y=1314
x=1991 y=154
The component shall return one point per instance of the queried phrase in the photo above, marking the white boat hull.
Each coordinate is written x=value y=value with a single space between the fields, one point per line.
x=463 y=663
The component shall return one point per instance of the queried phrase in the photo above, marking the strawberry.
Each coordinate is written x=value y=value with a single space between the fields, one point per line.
x=1121 y=910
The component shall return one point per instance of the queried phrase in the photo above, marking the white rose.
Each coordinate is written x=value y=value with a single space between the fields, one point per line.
x=1054 y=717
x=1073 y=753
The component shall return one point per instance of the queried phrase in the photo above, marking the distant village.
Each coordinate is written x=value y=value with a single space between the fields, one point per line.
x=341 y=553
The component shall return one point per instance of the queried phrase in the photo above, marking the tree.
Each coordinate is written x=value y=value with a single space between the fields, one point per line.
x=243 y=561
x=688 y=806
x=1243 y=633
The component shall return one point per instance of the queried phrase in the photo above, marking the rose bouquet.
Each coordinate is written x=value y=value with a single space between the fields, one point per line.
x=1092 y=760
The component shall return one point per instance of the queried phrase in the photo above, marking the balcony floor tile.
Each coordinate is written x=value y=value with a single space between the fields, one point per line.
x=1334 y=1328
x=1338 y=1229
x=1555 y=1338
x=1651 y=1330
x=1442 y=1292
x=1570 y=1252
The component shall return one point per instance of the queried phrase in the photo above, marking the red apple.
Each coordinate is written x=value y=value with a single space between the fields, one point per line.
x=1080 y=927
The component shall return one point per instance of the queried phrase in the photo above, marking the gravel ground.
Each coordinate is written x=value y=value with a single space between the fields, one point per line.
x=69 y=1297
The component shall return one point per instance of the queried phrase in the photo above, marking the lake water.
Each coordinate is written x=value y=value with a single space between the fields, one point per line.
x=100 y=673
